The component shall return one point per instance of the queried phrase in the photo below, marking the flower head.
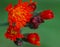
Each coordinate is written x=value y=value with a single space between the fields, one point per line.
x=13 y=33
x=33 y=38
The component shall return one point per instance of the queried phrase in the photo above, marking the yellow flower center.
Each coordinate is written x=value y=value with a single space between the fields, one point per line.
x=13 y=32
x=33 y=39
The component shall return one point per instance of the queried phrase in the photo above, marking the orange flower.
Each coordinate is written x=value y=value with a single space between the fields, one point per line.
x=20 y=14
x=13 y=33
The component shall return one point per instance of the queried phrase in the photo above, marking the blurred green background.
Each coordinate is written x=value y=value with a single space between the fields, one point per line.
x=49 y=31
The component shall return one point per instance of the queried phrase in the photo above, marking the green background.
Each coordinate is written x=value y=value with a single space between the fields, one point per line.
x=49 y=31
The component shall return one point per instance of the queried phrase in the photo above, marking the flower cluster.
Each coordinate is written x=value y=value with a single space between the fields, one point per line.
x=22 y=14
x=18 y=16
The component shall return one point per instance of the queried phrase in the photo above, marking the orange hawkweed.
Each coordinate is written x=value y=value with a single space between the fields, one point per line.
x=20 y=14
x=13 y=33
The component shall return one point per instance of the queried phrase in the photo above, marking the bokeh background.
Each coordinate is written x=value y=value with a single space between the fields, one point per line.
x=49 y=31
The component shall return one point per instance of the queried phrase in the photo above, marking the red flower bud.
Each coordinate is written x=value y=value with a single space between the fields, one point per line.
x=47 y=14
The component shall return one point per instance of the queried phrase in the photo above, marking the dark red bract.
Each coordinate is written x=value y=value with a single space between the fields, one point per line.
x=32 y=6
